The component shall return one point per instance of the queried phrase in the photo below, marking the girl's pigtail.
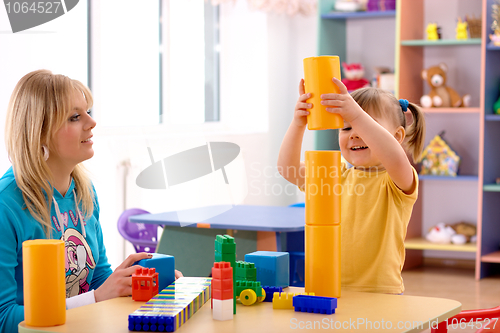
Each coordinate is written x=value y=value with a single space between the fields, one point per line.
x=416 y=132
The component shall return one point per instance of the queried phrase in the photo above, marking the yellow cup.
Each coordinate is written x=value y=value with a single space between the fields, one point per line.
x=323 y=188
x=44 y=282
x=322 y=260
x=318 y=74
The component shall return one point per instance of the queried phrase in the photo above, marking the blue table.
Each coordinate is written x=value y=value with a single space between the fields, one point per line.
x=188 y=238
x=243 y=217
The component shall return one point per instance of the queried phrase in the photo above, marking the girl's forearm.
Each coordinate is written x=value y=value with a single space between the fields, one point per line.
x=289 y=164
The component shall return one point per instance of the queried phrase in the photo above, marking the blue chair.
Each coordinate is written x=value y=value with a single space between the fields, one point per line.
x=295 y=248
x=144 y=237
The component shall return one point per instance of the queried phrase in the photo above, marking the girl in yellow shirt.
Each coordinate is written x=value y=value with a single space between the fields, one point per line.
x=378 y=191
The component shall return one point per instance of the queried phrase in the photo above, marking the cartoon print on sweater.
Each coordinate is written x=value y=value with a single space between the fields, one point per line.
x=79 y=261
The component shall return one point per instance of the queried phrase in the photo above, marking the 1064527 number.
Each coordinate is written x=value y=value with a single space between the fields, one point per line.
x=49 y=7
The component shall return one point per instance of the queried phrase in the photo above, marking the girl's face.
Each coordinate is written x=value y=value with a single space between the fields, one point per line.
x=72 y=142
x=355 y=151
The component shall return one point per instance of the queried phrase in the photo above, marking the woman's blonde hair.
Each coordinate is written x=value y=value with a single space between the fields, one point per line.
x=382 y=103
x=39 y=106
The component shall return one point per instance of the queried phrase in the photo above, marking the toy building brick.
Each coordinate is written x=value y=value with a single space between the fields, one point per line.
x=164 y=266
x=272 y=267
x=270 y=290
x=315 y=304
x=222 y=291
x=172 y=307
x=438 y=159
x=225 y=250
x=144 y=284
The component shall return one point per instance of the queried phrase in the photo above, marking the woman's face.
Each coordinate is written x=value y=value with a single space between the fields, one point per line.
x=72 y=142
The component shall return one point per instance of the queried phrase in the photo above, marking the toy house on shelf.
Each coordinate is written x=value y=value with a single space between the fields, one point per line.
x=438 y=159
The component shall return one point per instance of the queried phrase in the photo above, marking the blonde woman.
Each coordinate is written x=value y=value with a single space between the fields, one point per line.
x=46 y=194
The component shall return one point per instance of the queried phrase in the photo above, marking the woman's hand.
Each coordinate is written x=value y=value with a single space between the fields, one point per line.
x=301 y=113
x=178 y=274
x=342 y=103
x=120 y=282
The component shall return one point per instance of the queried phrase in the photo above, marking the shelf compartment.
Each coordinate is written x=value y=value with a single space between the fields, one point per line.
x=441 y=42
x=491 y=257
x=423 y=244
x=466 y=178
x=491 y=188
x=492 y=47
x=492 y=117
x=452 y=110
x=356 y=15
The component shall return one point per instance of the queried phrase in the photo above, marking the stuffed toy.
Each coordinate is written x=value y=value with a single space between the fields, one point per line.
x=440 y=94
x=461 y=29
x=353 y=76
x=458 y=233
x=432 y=31
x=440 y=234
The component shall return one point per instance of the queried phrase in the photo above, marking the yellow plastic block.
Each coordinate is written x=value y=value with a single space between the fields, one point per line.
x=322 y=264
x=285 y=300
x=323 y=188
x=44 y=282
x=318 y=74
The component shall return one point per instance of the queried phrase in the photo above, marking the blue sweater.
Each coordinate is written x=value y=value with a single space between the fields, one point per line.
x=86 y=263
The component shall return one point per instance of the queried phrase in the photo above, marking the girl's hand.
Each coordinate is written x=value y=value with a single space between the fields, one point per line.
x=120 y=282
x=178 y=274
x=301 y=113
x=344 y=104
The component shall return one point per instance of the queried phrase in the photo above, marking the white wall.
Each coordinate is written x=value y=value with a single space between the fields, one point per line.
x=261 y=61
x=59 y=45
x=261 y=65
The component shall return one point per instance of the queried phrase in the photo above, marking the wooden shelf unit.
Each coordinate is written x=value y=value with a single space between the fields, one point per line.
x=358 y=15
x=452 y=110
x=441 y=42
x=493 y=257
x=411 y=48
x=488 y=255
x=410 y=58
x=419 y=243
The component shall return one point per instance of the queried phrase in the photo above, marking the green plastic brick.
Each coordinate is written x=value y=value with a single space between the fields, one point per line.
x=225 y=244
x=246 y=271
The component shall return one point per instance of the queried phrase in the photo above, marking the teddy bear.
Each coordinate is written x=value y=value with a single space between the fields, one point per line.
x=440 y=94
x=353 y=76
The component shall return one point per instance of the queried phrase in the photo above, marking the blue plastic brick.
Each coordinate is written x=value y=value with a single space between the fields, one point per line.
x=175 y=304
x=272 y=267
x=314 y=304
x=270 y=292
x=164 y=266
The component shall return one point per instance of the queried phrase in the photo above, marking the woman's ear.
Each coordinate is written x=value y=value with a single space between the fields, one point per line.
x=400 y=134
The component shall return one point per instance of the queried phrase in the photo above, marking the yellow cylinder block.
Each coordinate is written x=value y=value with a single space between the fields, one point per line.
x=322 y=260
x=318 y=74
x=44 y=282
x=323 y=188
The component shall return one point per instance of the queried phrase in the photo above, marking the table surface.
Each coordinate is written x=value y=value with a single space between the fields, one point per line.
x=241 y=217
x=361 y=312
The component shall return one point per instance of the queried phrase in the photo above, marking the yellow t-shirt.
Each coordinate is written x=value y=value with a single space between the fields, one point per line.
x=374 y=217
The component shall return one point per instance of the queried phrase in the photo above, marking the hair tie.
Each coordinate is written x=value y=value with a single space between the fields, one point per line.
x=404 y=104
